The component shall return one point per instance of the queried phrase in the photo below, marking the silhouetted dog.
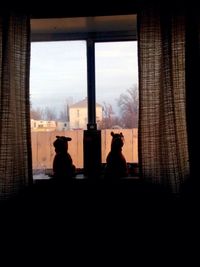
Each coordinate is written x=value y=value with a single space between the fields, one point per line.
x=62 y=164
x=116 y=166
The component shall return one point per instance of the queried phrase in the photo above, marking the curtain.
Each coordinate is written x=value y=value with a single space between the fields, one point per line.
x=15 y=141
x=163 y=146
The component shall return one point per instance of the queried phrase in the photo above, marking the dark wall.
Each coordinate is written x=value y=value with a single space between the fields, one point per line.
x=38 y=9
x=192 y=88
x=74 y=8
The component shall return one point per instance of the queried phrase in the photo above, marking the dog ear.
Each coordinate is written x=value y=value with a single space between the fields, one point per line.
x=112 y=134
x=65 y=138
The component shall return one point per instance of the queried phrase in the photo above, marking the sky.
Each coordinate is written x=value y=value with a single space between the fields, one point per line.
x=58 y=72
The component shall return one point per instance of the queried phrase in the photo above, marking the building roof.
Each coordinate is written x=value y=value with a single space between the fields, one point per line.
x=82 y=104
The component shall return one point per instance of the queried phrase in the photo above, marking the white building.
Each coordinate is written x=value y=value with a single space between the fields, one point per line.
x=42 y=125
x=62 y=126
x=78 y=115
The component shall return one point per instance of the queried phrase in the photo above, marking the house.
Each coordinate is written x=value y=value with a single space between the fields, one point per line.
x=78 y=114
x=62 y=126
x=42 y=125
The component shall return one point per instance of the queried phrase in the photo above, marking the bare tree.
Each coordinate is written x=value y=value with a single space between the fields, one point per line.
x=50 y=114
x=108 y=119
x=46 y=113
x=129 y=104
x=64 y=113
x=37 y=114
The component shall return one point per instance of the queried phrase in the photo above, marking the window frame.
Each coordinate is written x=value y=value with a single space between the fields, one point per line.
x=91 y=38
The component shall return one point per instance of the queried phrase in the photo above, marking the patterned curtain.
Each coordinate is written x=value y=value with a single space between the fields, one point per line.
x=15 y=142
x=163 y=147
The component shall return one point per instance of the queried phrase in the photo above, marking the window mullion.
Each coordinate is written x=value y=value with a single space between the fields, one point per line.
x=91 y=85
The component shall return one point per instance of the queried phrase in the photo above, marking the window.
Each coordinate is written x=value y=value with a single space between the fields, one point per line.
x=92 y=36
x=116 y=84
x=58 y=81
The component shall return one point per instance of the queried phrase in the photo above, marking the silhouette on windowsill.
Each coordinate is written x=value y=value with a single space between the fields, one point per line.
x=63 y=167
x=116 y=166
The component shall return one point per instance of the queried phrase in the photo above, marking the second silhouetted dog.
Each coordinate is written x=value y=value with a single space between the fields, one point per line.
x=116 y=166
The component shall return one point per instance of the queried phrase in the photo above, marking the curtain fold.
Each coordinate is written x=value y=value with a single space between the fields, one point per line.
x=163 y=147
x=15 y=138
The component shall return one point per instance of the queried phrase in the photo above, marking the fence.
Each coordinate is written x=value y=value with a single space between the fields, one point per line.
x=43 y=150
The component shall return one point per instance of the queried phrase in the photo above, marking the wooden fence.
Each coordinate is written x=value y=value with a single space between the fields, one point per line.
x=43 y=150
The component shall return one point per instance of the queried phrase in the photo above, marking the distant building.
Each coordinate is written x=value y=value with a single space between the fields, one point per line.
x=62 y=126
x=47 y=126
x=78 y=115
x=42 y=125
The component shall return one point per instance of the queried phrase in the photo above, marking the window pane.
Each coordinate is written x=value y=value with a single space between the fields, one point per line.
x=117 y=91
x=58 y=80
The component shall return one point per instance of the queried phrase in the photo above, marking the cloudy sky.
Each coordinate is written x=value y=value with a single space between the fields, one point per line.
x=58 y=72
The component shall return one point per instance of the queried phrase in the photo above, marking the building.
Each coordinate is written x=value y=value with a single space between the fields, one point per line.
x=78 y=114
x=42 y=125
x=48 y=126
x=62 y=126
